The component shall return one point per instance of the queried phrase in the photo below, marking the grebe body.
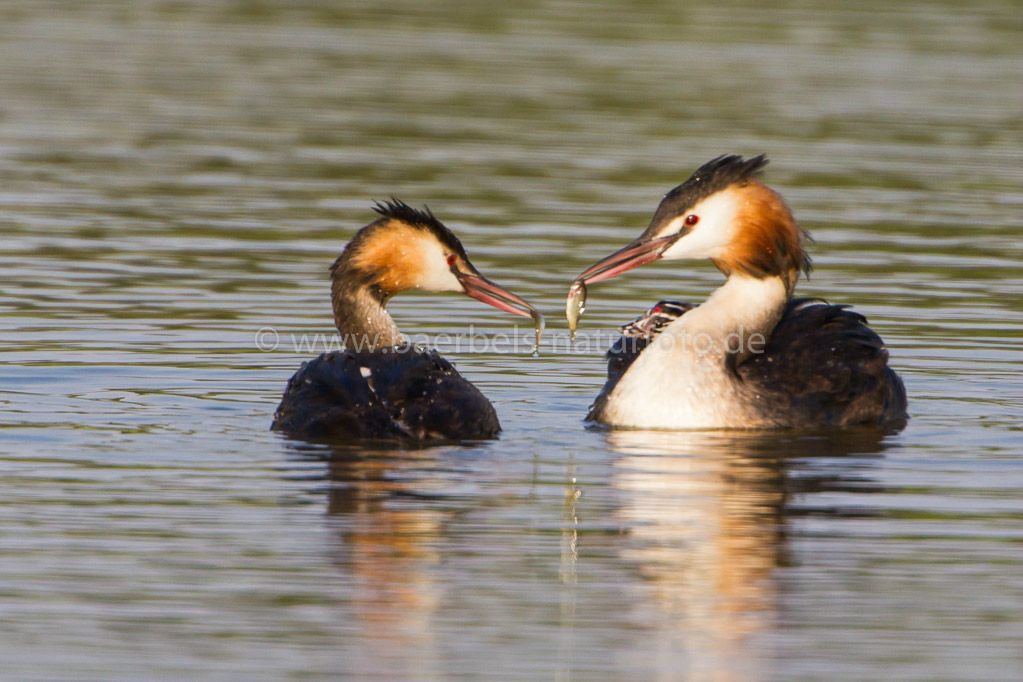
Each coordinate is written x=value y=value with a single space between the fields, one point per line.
x=400 y=393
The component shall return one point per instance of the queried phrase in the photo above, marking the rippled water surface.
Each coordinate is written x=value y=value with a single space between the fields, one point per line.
x=177 y=176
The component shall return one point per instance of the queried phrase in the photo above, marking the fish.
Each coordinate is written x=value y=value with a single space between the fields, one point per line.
x=538 y=326
x=575 y=306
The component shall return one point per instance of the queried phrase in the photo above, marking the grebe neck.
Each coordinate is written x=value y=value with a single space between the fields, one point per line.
x=361 y=317
x=737 y=318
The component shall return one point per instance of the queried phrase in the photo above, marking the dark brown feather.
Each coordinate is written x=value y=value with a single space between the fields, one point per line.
x=405 y=393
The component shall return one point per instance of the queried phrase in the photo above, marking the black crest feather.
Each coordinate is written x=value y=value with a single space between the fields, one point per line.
x=399 y=210
x=727 y=169
x=711 y=177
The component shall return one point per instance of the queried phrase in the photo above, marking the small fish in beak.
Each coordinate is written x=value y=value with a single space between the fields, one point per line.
x=575 y=306
x=640 y=252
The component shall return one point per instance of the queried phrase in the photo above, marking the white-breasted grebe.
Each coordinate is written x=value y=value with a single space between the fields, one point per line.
x=750 y=356
x=380 y=386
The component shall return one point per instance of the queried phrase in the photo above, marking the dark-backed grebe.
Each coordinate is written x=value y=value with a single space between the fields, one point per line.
x=750 y=356
x=381 y=386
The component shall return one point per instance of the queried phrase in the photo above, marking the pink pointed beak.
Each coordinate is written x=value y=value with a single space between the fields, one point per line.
x=482 y=289
x=639 y=252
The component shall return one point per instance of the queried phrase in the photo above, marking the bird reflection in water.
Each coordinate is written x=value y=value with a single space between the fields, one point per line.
x=389 y=550
x=697 y=519
x=705 y=513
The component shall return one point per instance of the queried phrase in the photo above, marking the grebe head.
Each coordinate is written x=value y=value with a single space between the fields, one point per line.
x=722 y=213
x=407 y=248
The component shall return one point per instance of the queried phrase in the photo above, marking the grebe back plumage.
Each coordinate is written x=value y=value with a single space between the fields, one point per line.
x=750 y=356
x=380 y=386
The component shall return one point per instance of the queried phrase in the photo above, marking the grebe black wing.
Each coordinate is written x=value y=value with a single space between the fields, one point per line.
x=404 y=393
x=823 y=364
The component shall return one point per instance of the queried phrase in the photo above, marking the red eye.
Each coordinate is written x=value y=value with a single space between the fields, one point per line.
x=451 y=260
x=692 y=219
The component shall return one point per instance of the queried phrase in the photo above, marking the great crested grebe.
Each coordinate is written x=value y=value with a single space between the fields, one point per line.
x=750 y=356
x=380 y=386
